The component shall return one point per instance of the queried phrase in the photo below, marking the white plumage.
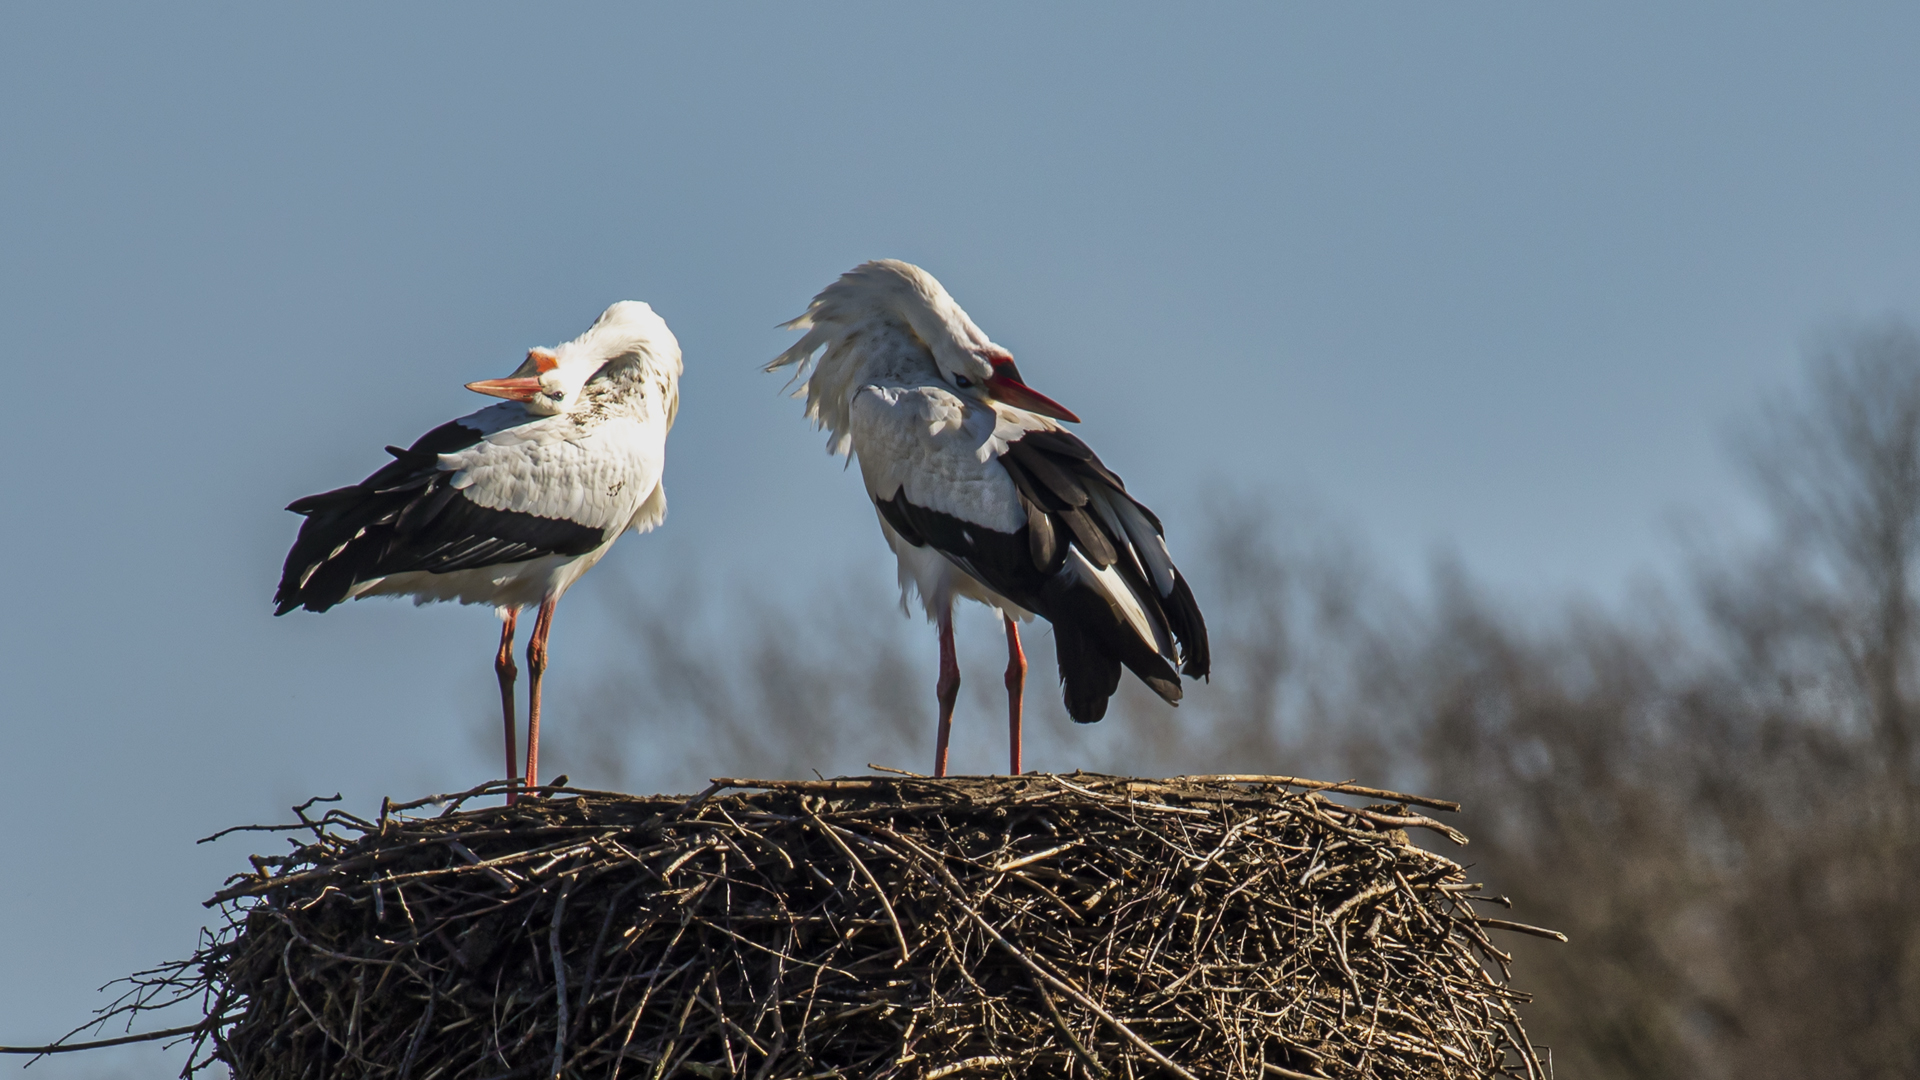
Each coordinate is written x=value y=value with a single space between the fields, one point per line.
x=510 y=505
x=982 y=494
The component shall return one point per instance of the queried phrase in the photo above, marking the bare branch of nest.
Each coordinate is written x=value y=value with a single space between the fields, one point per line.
x=871 y=927
x=96 y=1044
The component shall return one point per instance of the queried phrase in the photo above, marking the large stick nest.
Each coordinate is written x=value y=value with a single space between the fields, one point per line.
x=1068 y=926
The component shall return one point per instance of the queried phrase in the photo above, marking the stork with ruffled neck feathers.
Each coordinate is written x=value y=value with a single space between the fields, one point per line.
x=983 y=495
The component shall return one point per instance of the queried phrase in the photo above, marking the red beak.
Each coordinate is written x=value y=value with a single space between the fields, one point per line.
x=1005 y=387
x=511 y=389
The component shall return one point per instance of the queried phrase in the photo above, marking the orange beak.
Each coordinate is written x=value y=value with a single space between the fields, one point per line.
x=1005 y=387
x=511 y=389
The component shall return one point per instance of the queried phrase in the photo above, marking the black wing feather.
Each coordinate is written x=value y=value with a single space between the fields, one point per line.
x=1053 y=475
x=1067 y=452
x=406 y=517
x=1043 y=539
x=895 y=512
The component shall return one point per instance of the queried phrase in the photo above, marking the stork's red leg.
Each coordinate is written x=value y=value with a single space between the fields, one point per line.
x=1016 y=687
x=948 y=690
x=536 y=667
x=503 y=667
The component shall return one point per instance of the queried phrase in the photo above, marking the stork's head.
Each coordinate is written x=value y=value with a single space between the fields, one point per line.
x=851 y=317
x=551 y=381
x=989 y=375
x=539 y=384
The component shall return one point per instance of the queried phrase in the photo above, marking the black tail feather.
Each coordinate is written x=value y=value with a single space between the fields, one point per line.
x=1088 y=676
x=339 y=545
x=1189 y=629
x=1092 y=639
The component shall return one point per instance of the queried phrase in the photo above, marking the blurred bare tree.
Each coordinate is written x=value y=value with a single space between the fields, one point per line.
x=747 y=690
x=1840 y=470
x=1716 y=799
x=1711 y=791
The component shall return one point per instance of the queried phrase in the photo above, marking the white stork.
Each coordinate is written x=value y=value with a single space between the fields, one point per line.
x=507 y=506
x=981 y=494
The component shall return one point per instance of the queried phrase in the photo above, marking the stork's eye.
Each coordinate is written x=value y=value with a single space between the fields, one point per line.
x=556 y=395
x=962 y=381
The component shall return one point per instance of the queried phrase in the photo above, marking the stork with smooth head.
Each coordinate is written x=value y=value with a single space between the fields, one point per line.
x=510 y=505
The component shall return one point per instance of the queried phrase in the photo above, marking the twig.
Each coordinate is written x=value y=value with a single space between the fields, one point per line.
x=899 y=935
x=1038 y=856
x=559 y=981
x=1345 y=787
x=1086 y=1055
x=145 y=1036
x=985 y=1061
x=1520 y=928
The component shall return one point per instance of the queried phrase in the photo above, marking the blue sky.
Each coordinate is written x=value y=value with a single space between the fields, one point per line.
x=1483 y=278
